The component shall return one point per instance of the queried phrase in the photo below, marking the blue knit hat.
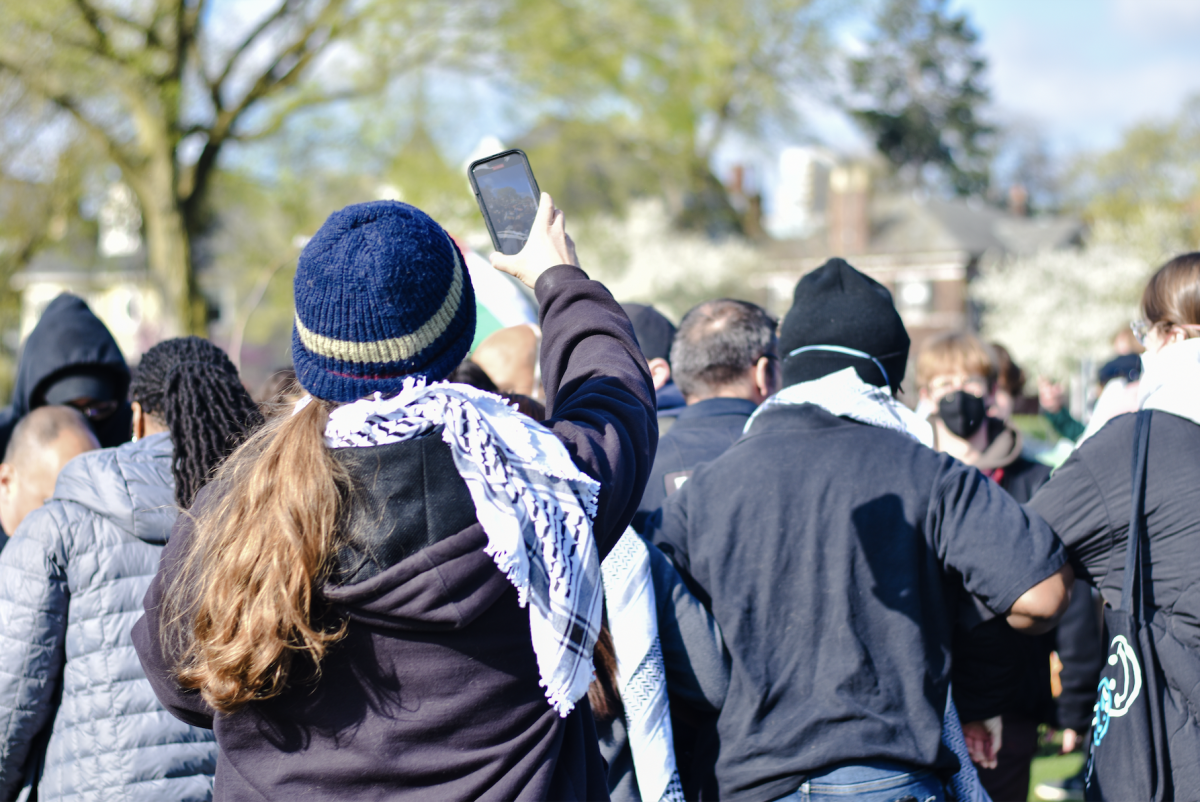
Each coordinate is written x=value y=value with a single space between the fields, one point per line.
x=381 y=294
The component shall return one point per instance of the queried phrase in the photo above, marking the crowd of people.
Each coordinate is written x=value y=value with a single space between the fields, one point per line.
x=600 y=557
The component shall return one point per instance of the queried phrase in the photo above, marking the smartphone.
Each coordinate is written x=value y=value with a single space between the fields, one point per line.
x=508 y=197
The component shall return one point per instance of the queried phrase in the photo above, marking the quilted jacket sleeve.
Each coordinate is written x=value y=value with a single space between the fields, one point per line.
x=33 y=626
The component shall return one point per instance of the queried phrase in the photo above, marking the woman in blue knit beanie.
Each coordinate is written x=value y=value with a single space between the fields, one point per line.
x=394 y=591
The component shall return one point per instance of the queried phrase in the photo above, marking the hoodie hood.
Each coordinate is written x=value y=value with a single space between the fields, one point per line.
x=131 y=486
x=445 y=586
x=1004 y=447
x=413 y=555
x=69 y=339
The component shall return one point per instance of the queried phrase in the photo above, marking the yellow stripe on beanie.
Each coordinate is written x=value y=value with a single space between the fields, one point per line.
x=394 y=349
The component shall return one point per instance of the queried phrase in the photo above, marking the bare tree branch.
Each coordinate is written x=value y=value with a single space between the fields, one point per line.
x=180 y=50
x=245 y=45
x=281 y=116
x=300 y=53
x=71 y=105
x=92 y=17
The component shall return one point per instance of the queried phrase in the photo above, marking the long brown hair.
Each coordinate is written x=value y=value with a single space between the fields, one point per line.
x=247 y=599
x=603 y=695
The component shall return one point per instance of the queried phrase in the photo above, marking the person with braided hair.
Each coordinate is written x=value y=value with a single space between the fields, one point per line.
x=187 y=386
x=79 y=718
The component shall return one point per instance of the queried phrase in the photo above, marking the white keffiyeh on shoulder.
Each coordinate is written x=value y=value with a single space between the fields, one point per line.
x=641 y=673
x=536 y=508
x=846 y=395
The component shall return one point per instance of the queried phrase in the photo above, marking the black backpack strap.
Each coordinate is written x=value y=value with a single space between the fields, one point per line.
x=1133 y=589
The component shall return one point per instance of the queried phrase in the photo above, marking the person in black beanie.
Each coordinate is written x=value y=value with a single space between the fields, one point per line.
x=654 y=335
x=830 y=542
x=841 y=318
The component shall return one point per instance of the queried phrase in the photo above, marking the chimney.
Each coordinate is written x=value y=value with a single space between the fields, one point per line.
x=849 y=224
x=1018 y=200
x=737 y=180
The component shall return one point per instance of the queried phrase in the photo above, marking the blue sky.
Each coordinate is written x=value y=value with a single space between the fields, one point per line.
x=1085 y=70
x=1079 y=72
x=1076 y=72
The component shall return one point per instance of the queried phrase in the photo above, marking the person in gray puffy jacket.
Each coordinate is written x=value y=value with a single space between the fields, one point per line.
x=80 y=720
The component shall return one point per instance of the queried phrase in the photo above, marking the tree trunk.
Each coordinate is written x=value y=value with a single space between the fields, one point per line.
x=169 y=255
x=168 y=252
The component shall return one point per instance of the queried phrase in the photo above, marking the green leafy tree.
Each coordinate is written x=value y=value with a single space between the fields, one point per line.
x=646 y=90
x=918 y=92
x=1151 y=176
x=251 y=248
x=164 y=88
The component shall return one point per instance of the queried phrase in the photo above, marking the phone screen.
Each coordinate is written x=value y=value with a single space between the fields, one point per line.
x=509 y=199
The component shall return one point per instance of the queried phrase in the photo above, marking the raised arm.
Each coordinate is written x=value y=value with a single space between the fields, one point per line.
x=599 y=399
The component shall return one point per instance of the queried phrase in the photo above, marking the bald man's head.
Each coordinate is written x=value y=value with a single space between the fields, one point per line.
x=509 y=358
x=41 y=444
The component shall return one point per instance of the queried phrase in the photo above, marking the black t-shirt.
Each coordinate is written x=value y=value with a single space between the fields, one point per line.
x=1087 y=502
x=832 y=551
x=998 y=670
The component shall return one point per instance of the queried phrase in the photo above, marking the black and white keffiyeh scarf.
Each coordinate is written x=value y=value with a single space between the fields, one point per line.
x=536 y=508
x=846 y=395
x=641 y=674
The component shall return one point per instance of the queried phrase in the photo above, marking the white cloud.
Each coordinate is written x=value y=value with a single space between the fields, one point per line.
x=1157 y=20
x=1088 y=71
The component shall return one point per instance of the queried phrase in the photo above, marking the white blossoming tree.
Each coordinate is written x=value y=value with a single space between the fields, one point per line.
x=1057 y=308
x=642 y=257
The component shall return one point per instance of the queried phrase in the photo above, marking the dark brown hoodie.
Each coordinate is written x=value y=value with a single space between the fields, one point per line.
x=434 y=693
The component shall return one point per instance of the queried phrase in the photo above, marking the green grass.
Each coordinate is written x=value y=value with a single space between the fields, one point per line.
x=1050 y=765
x=1037 y=427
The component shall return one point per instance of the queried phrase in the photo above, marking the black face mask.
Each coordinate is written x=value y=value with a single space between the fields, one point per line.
x=962 y=413
x=116 y=428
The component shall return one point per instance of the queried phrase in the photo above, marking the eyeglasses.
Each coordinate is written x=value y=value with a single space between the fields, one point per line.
x=1141 y=328
x=97 y=410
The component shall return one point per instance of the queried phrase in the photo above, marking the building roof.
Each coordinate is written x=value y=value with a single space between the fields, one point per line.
x=905 y=224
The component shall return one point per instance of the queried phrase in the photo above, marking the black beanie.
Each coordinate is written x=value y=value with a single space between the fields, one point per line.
x=653 y=331
x=838 y=306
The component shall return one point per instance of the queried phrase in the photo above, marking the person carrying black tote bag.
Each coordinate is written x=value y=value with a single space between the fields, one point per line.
x=1132 y=531
x=1128 y=744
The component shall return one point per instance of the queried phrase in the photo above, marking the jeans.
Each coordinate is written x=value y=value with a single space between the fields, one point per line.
x=872 y=781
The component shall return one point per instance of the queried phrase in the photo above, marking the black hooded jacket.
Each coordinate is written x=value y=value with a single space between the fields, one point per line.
x=69 y=340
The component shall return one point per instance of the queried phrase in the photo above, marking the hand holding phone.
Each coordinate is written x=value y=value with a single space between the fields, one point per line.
x=547 y=245
x=507 y=194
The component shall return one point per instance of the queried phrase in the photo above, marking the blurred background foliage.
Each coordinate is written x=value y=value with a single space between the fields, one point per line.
x=239 y=126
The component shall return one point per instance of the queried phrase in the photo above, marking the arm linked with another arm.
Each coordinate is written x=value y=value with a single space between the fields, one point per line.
x=1006 y=553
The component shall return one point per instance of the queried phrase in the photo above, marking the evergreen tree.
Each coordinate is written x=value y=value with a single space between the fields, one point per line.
x=919 y=89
